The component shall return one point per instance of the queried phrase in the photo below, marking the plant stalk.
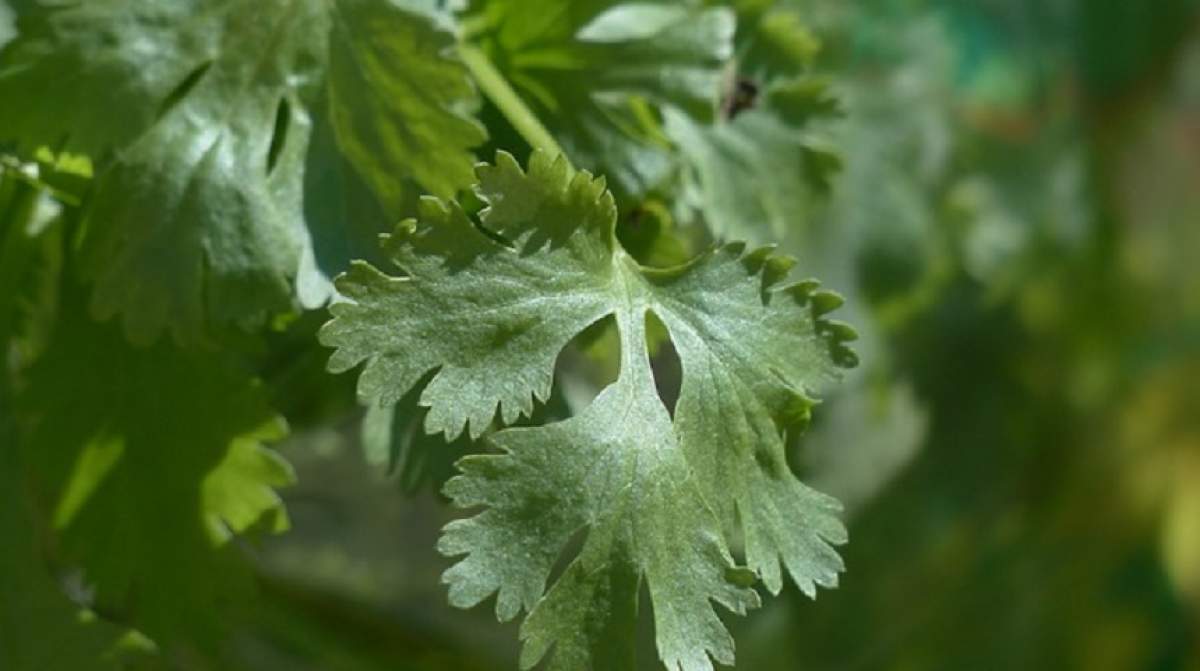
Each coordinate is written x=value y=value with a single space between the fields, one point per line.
x=497 y=89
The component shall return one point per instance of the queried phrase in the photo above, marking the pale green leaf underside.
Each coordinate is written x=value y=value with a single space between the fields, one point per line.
x=489 y=308
x=201 y=112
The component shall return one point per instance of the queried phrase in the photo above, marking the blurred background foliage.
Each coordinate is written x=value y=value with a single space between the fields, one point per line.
x=1008 y=193
x=1016 y=225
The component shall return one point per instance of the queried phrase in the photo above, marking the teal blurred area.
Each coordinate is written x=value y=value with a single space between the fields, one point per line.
x=1022 y=186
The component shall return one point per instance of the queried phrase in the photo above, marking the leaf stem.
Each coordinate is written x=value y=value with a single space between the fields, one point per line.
x=497 y=89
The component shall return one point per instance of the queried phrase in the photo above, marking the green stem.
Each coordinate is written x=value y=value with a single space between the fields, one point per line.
x=497 y=89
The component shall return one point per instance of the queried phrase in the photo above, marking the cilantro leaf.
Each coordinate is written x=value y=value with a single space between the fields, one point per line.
x=593 y=71
x=756 y=176
x=394 y=436
x=489 y=306
x=33 y=218
x=773 y=41
x=20 y=206
x=149 y=460
x=39 y=626
x=200 y=114
x=7 y=28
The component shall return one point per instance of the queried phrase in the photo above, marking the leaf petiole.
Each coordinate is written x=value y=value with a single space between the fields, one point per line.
x=508 y=101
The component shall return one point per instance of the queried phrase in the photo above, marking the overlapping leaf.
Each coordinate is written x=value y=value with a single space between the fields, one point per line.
x=8 y=29
x=31 y=242
x=394 y=436
x=201 y=112
x=593 y=70
x=488 y=307
x=757 y=175
x=20 y=203
x=39 y=627
x=147 y=461
x=774 y=42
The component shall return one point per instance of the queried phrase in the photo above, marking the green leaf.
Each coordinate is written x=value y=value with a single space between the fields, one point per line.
x=489 y=306
x=346 y=219
x=756 y=176
x=31 y=258
x=8 y=29
x=39 y=626
x=593 y=71
x=148 y=461
x=397 y=98
x=773 y=41
x=200 y=114
x=393 y=436
x=21 y=209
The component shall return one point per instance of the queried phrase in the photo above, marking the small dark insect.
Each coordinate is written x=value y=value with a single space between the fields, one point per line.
x=741 y=94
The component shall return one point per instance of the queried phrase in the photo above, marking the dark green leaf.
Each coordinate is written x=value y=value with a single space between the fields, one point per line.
x=200 y=114
x=148 y=461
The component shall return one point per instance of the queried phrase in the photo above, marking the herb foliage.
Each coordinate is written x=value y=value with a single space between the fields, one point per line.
x=182 y=182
